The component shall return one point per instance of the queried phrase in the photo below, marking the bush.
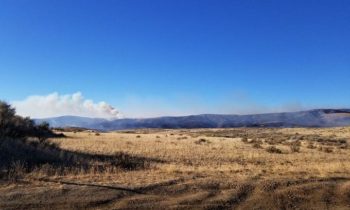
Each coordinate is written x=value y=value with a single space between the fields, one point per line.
x=245 y=139
x=202 y=141
x=326 y=149
x=343 y=146
x=311 y=146
x=257 y=146
x=273 y=149
x=295 y=146
x=14 y=126
x=20 y=155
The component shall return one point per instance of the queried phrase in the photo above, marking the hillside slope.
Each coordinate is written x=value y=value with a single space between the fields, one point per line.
x=312 y=118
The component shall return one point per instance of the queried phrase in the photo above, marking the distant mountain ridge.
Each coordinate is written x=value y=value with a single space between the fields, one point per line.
x=311 y=118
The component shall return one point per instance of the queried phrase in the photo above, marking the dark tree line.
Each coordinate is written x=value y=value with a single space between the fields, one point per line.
x=14 y=126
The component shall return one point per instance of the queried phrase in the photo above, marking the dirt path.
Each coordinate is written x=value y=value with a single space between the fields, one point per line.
x=332 y=193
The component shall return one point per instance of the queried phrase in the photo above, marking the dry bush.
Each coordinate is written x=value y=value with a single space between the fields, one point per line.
x=271 y=141
x=343 y=141
x=326 y=149
x=294 y=148
x=311 y=145
x=343 y=146
x=21 y=154
x=273 y=149
x=301 y=137
x=279 y=140
x=244 y=139
x=16 y=171
x=296 y=143
x=202 y=141
x=257 y=146
x=97 y=134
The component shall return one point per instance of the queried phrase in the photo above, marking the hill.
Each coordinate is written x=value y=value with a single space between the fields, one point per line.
x=311 y=118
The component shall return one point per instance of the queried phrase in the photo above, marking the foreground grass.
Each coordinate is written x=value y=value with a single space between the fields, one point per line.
x=201 y=168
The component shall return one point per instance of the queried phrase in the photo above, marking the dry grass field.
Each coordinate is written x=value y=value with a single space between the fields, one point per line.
x=243 y=168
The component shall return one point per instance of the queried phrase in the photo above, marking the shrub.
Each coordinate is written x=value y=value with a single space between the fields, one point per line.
x=326 y=149
x=294 y=148
x=271 y=141
x=14 y=126
x=257 y=146
x=202 y=141
x=20 y=155
x=343 y=141
x=245 y=139
x=273 y=149
x=311 y=146
x=343 y=146
x=16 y=171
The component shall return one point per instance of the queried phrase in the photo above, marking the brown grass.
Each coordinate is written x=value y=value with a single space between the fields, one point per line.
x=215 y=169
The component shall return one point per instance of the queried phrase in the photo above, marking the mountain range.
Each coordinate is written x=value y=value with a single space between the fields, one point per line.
x=311 y=118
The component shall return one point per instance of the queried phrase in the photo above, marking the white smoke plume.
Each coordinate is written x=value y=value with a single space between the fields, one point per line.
x=54 y=105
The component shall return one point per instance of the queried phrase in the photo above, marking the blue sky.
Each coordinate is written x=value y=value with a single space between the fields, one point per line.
x=173 y=57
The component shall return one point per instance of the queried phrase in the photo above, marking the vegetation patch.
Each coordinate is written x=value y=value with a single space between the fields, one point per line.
x=202 y=141
x=24 y=148
x=273 y=149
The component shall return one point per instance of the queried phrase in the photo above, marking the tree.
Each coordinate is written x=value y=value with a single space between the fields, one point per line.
x=43 y=131
x=7 y=115
x=14 y=126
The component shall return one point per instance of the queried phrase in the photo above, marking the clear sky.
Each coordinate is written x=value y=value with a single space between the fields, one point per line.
x=173 y=57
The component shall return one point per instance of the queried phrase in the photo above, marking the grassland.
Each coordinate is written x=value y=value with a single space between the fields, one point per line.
x=243 y=168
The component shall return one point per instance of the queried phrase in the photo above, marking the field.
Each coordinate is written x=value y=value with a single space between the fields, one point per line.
x=241 y=168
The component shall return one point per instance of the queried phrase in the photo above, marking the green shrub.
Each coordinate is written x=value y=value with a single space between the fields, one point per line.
x=14 y=126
